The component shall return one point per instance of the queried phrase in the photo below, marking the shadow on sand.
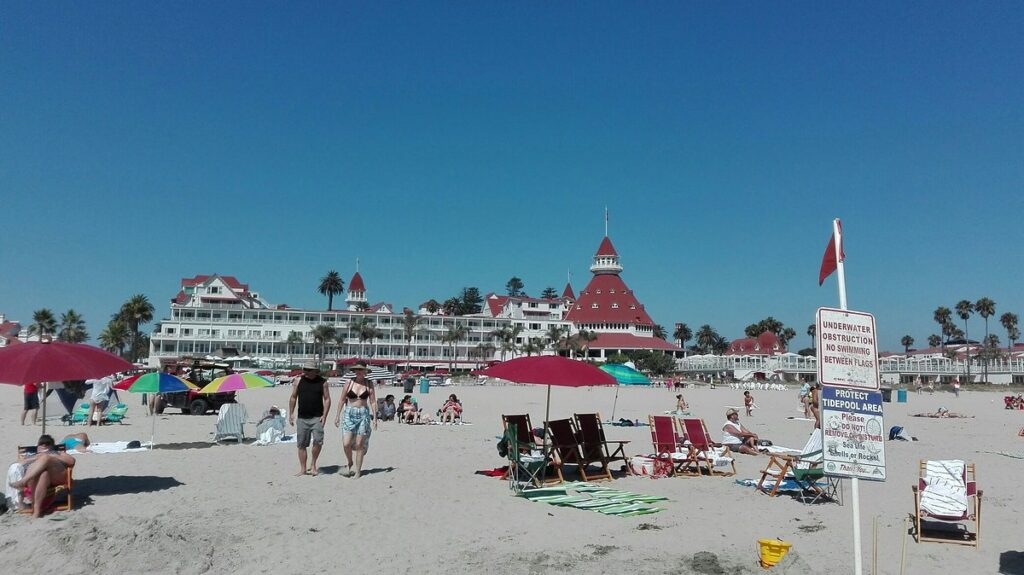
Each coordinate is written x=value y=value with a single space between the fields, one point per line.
x=1011 y=563
x=87 y=488
x=334 y=469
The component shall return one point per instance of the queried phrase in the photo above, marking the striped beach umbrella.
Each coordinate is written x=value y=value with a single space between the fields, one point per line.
x=236 y=382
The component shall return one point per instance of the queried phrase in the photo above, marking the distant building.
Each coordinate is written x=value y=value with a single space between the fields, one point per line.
x=9 y=331
x=765 y=344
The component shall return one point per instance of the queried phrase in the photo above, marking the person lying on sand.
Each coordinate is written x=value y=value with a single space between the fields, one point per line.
x=76 y=442
x=47 y=467
x=942 y=413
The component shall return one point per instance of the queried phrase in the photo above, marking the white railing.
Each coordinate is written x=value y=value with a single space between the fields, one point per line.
x=801 y=364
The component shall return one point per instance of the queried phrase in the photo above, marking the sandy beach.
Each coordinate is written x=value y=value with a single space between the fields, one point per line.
x=190 y=506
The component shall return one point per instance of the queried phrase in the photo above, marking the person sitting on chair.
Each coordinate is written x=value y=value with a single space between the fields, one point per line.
x=410 y=412
x=387 y=409
x=736 y=437
x=451 y=409
x=47 y=467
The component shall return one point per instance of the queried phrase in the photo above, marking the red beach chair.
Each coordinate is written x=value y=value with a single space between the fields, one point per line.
x=706 y=449
x=670 y=453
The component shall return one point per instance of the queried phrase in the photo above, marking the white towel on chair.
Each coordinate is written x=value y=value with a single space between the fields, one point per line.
x=14 y=473
x=945 y=492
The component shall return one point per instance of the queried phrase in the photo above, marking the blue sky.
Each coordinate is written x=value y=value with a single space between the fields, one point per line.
x=451 y=145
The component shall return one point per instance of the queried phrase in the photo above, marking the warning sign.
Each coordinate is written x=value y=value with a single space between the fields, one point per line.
x=851 y=424
x=847 y=349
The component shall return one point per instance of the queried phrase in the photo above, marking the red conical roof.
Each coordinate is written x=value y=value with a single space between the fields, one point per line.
x=357 y=283
x=606 y=248
x=567 y=292
x=606 y=299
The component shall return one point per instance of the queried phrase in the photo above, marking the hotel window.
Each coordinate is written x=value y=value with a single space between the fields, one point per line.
x=598 y=292
x=632 y=306
x=594 y=305
x=214 y=333
x=534 y=326
x=214 y=289
x=186 y=331
x=615 y=306
x=611 y=290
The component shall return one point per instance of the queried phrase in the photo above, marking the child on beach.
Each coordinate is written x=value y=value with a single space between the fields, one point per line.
x=748 y=403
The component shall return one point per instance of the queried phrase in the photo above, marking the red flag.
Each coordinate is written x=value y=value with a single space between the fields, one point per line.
x=828 y=261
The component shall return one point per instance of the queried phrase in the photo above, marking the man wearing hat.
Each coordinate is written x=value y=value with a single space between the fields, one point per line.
x=736 y=437
x=311 y=396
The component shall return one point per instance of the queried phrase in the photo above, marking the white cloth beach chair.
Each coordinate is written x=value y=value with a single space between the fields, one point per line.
x=230 y=421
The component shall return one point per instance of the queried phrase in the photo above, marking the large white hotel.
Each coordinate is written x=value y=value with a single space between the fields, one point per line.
x=220 y=316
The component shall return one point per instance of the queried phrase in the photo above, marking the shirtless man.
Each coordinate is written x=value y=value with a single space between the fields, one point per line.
x=310 y=394
x=47 y=467
x=736 y=437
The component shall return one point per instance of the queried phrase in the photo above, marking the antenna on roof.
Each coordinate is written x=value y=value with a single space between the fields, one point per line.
x=606 y=221
x=357 y=265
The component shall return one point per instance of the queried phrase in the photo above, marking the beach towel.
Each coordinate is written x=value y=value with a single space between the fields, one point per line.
x=769 y=484
x=945 y=493
x=115 y=447
x=230 y=419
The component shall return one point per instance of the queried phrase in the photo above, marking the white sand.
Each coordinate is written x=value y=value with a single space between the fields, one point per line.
x=421 y=509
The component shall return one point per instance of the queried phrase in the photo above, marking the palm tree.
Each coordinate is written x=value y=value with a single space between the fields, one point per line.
x=330 y=286
x=786 y=336
x=906 y=341
x=752 y=330
x=964 y=309
x=1009 y=321
x=294 y=338
x=659 y=332
x=554 y=337
x=706 y=336
x=942 y=316
x=585 y=339
x=410 y=322
x=683 y=334
x=115 y=337
x=454 y=335
x=485 y=350
x=135 y=312
x=72 y=327
x=43 y=323
x=433 y=307
x=985 y=308
x=812 y=330
x=322 y=334
x=532 y=346
x=362 y=306
x=934 y=340
x=720 y=345
x=502 y=335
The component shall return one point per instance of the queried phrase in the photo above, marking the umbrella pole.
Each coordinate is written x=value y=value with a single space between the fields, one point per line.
x=152 y=433
x=616 y=403
x=547 y=439
x=44 y=407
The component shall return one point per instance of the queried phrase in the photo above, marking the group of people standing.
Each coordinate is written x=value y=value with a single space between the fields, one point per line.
x=98 y=392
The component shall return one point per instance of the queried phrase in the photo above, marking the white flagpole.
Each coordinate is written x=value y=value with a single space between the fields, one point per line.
x=854 y=482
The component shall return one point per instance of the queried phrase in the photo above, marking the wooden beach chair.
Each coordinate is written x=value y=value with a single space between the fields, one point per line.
x=593 y=442
x=670 y=453
x=707 y=452
x=567 y=450
x=59 y=495
x=947 y=492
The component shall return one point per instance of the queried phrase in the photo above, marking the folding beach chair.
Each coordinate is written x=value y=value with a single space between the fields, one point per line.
x=525 y=462
x=593 y=442
x=947 y=493
x=526 y=448
x=57 y=497
x=805 y=470
x=709 y=454
x=116 y=414
x=671 y=456
x=80 y=414
x=230 y=421
x=567 y=450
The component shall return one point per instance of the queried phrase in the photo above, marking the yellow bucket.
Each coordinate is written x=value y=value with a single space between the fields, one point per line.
x=772 y=551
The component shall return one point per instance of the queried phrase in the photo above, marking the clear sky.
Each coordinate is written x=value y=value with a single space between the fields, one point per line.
x=451 y=145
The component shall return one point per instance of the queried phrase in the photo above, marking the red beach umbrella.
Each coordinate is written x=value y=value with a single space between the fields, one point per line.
x=42 y=361
x=549 y=370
